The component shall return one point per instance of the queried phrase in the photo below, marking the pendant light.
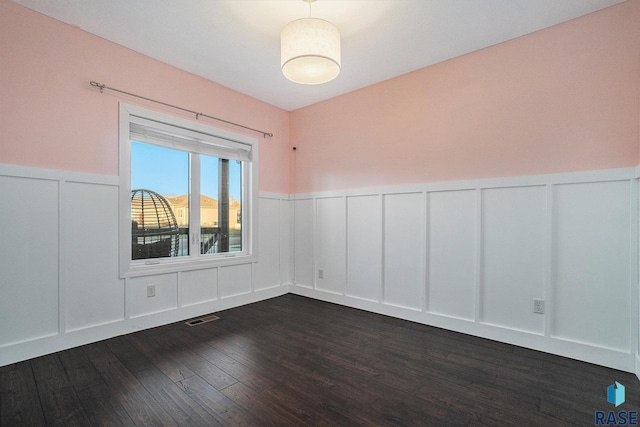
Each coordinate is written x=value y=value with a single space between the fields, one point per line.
x=310 y=50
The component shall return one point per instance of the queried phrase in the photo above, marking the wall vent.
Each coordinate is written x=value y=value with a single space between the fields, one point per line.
x=201 y=320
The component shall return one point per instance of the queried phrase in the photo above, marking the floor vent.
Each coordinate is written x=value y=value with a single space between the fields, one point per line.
x=203 y=319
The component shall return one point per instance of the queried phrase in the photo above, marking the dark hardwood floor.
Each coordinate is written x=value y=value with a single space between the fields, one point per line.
x=293 y=361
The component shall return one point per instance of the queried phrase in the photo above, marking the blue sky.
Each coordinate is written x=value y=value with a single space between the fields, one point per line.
x=166 y=171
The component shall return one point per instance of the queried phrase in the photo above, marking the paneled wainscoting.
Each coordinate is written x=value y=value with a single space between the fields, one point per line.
x=293 y=361
x=59 y=281
x=467 y=256
x=472 y=256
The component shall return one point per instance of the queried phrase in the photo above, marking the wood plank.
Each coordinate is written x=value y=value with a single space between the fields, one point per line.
x=128 y=355
x=59 y=401
x=249 y=377
x=176 y=402
x=215 y=403
x=103 y=407
x=164 y=360
x=95 y=350
x=19 y=401
x=197 y=338
x=79 y=369
x=134 y=398
x=268 y=412
x=312 y=404
x=180 y=350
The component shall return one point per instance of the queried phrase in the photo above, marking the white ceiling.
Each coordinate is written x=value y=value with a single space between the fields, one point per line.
x=236 y=43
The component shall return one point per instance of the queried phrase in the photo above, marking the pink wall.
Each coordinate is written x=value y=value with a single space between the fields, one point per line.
x=563 y=99
x=51 y=117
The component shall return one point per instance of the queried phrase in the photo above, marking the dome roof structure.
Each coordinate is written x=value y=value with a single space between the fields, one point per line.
x=154 y=229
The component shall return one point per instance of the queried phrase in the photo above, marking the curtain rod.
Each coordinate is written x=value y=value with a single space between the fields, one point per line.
x=102 y=87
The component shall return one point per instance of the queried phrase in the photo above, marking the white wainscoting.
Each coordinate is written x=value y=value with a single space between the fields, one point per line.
x=364 y=247
x=466 y=256
x=451 y=241
x=330 y=239
x=59 y=281
x=472 y=256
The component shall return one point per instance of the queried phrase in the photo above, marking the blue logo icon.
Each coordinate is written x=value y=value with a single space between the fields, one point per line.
x=615 y=394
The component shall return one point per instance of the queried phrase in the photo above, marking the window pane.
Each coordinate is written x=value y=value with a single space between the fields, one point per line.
x=159 y=202
x=220 y=205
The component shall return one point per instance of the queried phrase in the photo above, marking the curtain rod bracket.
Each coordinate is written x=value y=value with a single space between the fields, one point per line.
x=102 y=87
x=98 y=85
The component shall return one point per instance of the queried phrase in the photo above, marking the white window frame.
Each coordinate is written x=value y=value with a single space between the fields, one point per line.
x=207 y=140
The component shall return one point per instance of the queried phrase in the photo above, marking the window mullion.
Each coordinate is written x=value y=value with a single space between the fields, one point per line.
x=194 y=205
x=245 y=206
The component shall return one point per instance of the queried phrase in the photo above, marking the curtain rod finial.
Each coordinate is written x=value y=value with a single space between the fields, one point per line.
x=98 y=85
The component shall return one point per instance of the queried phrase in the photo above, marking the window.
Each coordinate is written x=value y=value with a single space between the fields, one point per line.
x=188 y=194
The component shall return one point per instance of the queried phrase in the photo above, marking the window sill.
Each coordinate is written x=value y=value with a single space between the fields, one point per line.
x=157 y=266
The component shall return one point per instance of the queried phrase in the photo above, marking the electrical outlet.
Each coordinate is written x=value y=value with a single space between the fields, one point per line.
x=538 y=306
x=151 y=291
x=320 y=273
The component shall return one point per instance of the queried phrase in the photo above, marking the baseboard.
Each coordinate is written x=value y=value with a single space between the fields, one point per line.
x=611 y=358
x=17 y=352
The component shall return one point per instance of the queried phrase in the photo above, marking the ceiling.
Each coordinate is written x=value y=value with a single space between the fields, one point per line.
x=236 y=43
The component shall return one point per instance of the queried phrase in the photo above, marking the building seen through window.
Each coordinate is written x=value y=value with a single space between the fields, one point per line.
x=160 y=182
